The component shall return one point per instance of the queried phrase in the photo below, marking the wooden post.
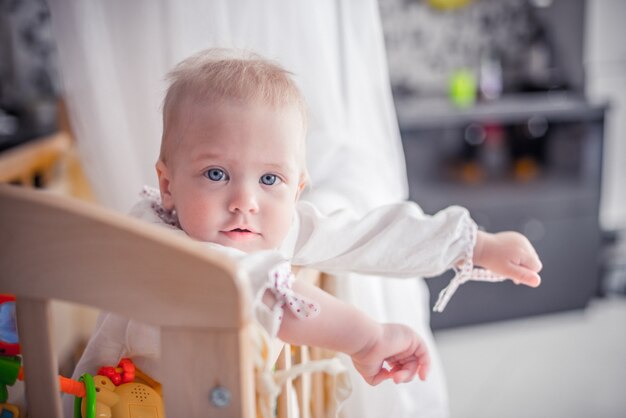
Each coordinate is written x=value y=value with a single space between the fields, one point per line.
x=40 y=371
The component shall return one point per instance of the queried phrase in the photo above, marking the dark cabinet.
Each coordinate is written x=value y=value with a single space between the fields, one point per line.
x=528 y=163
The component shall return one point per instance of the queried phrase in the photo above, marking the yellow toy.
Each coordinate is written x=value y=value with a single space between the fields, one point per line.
x=119 y=392
x=128 y=400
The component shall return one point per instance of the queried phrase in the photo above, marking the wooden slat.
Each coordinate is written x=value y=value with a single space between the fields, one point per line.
x=40 y=363
x=319 y=390
x=195 y=363
x=24 y=161
x=317 y=387
x=302 y=385
x=284 y=399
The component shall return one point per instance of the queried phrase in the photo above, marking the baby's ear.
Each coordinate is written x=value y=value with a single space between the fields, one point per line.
x=303 y=182
x=163 y=174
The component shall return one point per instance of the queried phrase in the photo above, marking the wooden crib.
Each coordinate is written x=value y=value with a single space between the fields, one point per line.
x=57 y=248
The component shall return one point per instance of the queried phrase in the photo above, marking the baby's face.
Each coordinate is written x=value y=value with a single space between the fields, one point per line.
x=236 y=174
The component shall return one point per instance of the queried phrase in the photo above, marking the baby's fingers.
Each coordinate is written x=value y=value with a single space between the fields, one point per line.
x=382 y=375
x=522 y=275
x=424 y=369
x=532 y=262
x=404 y=374
x=405 y=371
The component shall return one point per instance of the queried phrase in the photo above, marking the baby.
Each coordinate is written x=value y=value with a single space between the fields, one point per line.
x=230 y=172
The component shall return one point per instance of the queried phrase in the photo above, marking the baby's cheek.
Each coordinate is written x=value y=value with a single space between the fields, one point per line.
x=197 y=224
x=282 y=221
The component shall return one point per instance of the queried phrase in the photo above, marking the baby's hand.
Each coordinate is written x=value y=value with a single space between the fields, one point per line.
x=402 y=349
x=508 y=254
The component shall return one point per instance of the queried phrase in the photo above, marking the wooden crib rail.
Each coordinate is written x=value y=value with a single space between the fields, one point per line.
x=57 y=248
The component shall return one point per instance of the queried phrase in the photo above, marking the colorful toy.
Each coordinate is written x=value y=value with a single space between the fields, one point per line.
x=9 y=372
x=9 y=411
x=115 y=392
x=97 y=396
x=9 y=345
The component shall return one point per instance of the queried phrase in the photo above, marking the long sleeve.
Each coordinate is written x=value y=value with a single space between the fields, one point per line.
x=395 y=240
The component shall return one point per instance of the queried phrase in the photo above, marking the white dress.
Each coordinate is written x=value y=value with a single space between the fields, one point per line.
x=397 y=240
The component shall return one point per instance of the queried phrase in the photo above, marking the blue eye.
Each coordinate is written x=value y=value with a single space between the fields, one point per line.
x=215 y=174
x=268 y=179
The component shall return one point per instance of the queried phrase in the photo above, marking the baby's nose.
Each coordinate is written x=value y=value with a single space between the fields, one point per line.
x=243 y=200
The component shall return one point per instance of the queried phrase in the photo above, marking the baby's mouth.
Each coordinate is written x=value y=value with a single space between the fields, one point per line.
x=239 y=234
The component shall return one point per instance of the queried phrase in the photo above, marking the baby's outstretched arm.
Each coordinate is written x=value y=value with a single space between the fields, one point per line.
x=341 y=327
x=508 y=254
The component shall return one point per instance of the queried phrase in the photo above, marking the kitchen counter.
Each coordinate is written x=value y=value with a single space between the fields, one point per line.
x=416 y=114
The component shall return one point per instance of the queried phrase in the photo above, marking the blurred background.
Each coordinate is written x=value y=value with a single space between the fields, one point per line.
x=515 y=109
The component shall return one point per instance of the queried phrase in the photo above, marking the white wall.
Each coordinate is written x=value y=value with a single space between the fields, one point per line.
x=605 y=67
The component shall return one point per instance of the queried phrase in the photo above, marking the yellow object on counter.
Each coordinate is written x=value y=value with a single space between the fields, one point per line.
x=448 y=4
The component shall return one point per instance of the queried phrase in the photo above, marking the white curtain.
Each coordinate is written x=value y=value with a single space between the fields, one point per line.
x=114 y=55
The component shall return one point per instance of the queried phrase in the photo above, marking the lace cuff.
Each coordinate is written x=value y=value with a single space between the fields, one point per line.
x=466 y=270
x=280 y=281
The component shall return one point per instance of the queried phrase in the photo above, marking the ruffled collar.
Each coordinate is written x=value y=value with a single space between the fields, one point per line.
x=154 y=197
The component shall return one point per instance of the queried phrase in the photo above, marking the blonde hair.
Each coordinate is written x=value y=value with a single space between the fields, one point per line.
x=217 y=75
